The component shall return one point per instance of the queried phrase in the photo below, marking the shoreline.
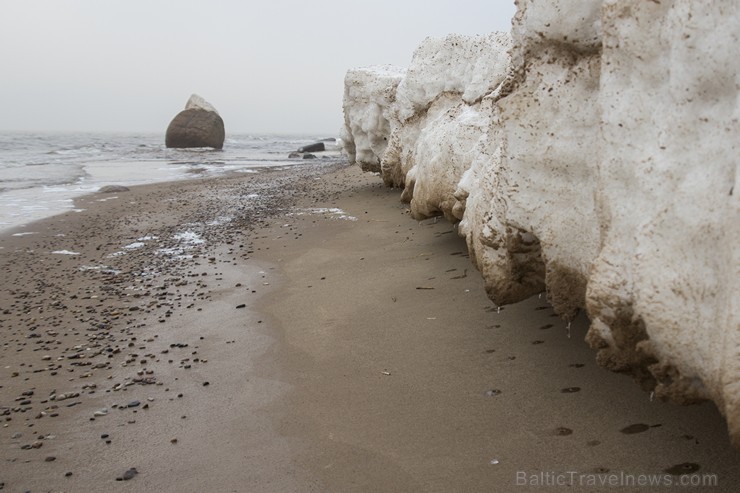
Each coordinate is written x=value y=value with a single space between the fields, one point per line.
x=365 y=356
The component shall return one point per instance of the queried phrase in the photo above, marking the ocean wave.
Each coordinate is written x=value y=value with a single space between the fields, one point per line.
x=71 y=164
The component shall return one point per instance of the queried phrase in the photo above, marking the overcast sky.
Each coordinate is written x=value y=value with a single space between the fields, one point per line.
x=267 y=65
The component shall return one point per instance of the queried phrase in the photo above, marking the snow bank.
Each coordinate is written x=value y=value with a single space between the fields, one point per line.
x=198 y=103
x=369 y=95
x=591 y=155
x=440 y=116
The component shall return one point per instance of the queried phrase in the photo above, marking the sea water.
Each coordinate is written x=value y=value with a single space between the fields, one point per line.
x=42 y=173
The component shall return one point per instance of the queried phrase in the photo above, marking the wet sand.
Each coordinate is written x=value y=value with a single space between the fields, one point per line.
x=297 y=331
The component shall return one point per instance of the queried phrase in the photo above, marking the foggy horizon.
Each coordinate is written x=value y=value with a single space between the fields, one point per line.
x=85 y=66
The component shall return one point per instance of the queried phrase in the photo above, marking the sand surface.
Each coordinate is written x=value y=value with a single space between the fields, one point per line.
x=296 y=331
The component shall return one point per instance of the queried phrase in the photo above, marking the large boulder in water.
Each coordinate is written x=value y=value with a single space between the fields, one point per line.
x=198 y=125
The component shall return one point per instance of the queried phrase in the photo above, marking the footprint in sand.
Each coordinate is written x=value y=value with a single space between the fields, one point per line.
x=562 y=431
x=683 y=468
x=635 y=428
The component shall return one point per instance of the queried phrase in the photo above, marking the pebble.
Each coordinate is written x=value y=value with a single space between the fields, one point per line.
x=128 y=475
x=134 y=404
x=50 y=458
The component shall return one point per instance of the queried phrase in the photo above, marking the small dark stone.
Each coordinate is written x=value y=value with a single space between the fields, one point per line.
x=206 y=384
x=68 y=474
x=128 y=475
x=241 y=306
x=50 y=458
x=104 y=436
x=570 y=390
x=562 y=431
x=134 y=404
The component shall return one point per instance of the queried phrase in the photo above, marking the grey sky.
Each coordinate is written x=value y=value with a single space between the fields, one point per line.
x=266 y=65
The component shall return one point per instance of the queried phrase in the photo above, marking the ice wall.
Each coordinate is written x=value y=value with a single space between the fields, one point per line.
x=592 y=154
x=369 y=96
x=440 y=116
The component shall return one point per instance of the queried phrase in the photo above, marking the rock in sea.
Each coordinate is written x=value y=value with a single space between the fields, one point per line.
x=198 y=125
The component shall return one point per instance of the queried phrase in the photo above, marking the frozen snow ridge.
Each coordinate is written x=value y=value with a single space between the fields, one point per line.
x=592 y=153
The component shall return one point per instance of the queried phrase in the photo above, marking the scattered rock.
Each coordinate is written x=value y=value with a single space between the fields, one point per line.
x=130 y=474
x=315 y=147
x=113 y=189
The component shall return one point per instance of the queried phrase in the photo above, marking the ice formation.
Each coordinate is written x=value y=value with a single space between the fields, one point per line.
x=196 y=102
x=591 y=154
x=369 y=95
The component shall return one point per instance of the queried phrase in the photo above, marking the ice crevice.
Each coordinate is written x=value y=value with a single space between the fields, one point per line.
x=590 y=153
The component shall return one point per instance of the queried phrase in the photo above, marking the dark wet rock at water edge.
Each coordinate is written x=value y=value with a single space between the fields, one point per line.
x=315 y=147
x=198 y=125
x=113 y=189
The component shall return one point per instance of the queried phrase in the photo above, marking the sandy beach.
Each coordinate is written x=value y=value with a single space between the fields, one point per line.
x=295 y=330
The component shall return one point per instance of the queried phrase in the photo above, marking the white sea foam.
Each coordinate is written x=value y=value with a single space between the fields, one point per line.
x=64 y=252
